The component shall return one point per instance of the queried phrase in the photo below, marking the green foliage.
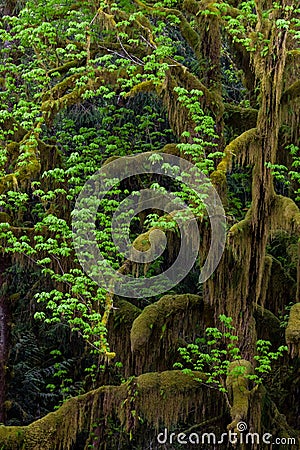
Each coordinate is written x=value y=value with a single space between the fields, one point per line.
x=213 y=353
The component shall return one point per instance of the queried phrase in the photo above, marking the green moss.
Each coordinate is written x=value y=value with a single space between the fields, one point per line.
x=119 y=326
x=157 y=398
x=237 y=148
x=142 y=242
x=110 y=159
x=154 y=316
x=125 y=313
x=13 y=150
x=191 y=6
x=241 y=228
x=292 y=332
x=11 y=438
x=11 y=125
x=164 y=397
x=237 y=385
x=285 y=215
x=144 y=86
x=8 y=182
x=171 y=149
x=281 y=288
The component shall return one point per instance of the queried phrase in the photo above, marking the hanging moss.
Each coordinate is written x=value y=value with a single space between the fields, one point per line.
x=179 y=116
x=178 y=395
x=119 y=326
x=238 y=148
x=163 y=397
x=285 y=215
x=266 y=280
x=292 y=332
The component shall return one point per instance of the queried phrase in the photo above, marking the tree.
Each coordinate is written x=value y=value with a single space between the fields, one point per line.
x=216 y=84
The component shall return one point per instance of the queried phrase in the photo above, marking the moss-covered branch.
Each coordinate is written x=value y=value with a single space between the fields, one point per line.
x=186 y=29
x=28 y=166
x=155 y=332
x=51 y=105
x=239 y=148
x=176 y=394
